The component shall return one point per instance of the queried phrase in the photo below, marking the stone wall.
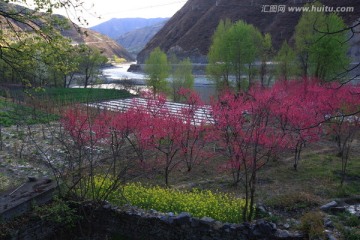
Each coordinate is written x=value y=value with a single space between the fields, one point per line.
x=151 y=225
x=108 y=222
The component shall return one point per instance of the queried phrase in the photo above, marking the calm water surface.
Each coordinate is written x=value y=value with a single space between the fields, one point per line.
x=118 y=76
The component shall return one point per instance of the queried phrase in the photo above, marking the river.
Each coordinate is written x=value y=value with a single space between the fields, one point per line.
x=119 y=77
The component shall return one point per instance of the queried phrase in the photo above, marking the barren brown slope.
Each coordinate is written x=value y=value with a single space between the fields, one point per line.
x=107 y=46
x=189 y=31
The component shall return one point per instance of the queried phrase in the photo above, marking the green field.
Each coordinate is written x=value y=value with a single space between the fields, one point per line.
x=79 y=95
x=12 y=114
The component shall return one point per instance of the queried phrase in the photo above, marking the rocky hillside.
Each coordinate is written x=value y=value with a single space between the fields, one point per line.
x=116 y=27
x=136 y=40
x=188 y=33
x=107 y=46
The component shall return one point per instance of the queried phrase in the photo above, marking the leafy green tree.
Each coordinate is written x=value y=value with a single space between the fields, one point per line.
x=37 y=63
x=158 y=69
x=182 y=77
x=21 y=27
x=286 y=62
x=90 y=62
x=245 y=40
x=321 y=54
x=329 y=55
x=26 y=63
x=306 y=35
x=219 y=68
x=63 y=61
x=266 y=53
x=234 y=49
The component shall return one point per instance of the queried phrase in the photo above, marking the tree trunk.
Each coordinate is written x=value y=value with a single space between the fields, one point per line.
x=1 y=139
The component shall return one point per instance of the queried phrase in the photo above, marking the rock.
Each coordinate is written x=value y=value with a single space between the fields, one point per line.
x=263 y=228
x=32 y=179
x=170 y=220
x=286 y=226
x=282 y=234
x=194 y=222
x=207 y=220
x=218 y=225
x=182 y=218
x=328 y=223
x=226 y=227
x=261 y=209
x=354 y=209
x=244 y=228
x=134 y=68
x=107 y=206
x=330 y=235
x=338 y=209
x=329 y=206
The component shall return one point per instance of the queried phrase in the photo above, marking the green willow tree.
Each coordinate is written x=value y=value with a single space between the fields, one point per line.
x=182 y=77
x=233 y=52
x=219 y=68
x=90 y=62
x=266 y=54
x=245 y=40
x=322 y=55
x=286 y=63
x=157 y=69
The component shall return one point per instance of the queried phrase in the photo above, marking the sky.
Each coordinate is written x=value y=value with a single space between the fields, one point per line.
x=98 y=11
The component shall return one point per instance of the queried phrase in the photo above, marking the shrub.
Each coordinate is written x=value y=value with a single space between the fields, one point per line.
x=293 y=201
x=58 y=212
x=219 y=206
x=312 y=224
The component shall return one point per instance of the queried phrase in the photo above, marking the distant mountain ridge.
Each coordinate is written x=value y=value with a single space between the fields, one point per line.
x=106 y=45
x=136 y=40
x=188 y=33
x=116 y=27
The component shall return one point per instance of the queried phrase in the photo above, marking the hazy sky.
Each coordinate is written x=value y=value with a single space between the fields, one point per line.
x=107 y=9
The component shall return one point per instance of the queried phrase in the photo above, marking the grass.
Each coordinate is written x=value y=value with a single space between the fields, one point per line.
x=12 y=114
x=316 y=176
x=5 y=182
x=348 y=225
x=80 y=95
x=295 y=201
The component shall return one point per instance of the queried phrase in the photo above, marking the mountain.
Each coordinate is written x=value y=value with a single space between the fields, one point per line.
x=115 y=27
x=20 y=20
x=188 y=33
x=136 y=40
x=107 y=46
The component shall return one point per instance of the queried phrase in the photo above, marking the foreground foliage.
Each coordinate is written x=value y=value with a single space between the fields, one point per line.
x=250 y=128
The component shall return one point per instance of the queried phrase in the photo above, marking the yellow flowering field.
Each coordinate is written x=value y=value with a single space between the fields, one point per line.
x=219 y=206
